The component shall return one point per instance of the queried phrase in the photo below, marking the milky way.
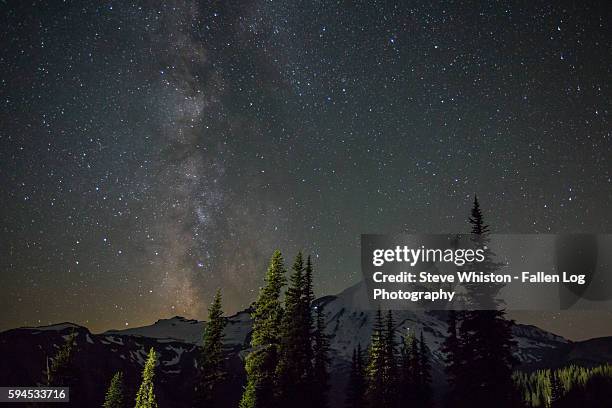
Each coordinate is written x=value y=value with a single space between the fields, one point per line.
x=153 y=152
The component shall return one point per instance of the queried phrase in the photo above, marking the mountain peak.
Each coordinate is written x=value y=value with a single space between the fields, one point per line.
x=177 y=318
x=57 y=327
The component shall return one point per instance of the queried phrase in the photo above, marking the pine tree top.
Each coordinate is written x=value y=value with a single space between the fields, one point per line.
x=214 y=311
x=309 y=293
x=298 y=264
x=114 y=396
x=151 y=363
x=145 y=398
x=275 y=277
x=477 y=220
x=268 y=310
x=213 y=331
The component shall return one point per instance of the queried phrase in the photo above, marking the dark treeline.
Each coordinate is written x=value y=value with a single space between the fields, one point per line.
x=478 y=352
x=289 y=358
x=392 y=374
x=566 y=387
x=479 y=346
x=479 y=356
x=288 y=363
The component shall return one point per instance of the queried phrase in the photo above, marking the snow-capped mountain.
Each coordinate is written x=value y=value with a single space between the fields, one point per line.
x=349 y=323
x=176 y=339
x=190 y=331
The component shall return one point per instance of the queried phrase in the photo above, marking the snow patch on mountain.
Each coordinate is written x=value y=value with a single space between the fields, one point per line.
x=190 y=331
x=175 y=328
x=116 y=340
x=177 y=358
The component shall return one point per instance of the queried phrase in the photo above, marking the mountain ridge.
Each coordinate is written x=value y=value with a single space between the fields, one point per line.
x=177 y=340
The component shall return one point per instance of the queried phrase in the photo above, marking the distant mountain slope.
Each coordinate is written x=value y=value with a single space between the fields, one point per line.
x=98 y=356
x=350 y=324
x=190 y=331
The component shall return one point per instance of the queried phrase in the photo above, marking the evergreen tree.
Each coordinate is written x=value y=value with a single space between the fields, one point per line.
x=485 y=336
x=308 y=292
x=482 y=295
x=375 y=389
x=425 y=395
x=407 y=376
x=321 y=362
x=479 y=228
x=390 y=365
x=267 y=316
x=414 y=372
x=355 y=394
x=486 y=340
x=211 y=359
x=294 y=370
x=114 y=395
x=60 y=373
x=453 y=359
x=145 y=398
x=308 y=298
x=415 y=367
x=556 y=388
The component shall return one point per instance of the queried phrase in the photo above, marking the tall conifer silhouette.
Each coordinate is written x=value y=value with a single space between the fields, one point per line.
x=262 y=361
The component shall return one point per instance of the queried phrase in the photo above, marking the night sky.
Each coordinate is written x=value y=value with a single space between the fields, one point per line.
x=153 y=152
